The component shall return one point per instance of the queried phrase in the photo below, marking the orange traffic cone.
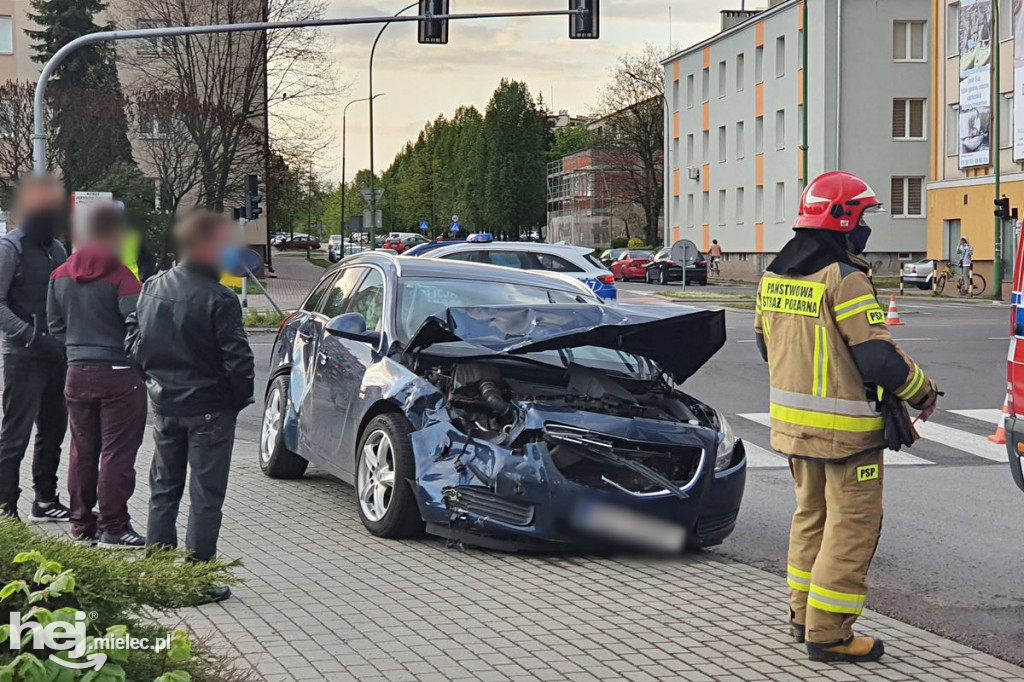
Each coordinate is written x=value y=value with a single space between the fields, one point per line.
x=893 y=318
x=999 y=437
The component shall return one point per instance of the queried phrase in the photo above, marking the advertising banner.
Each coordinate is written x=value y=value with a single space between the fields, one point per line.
x=1018 y=79
x=976 y=44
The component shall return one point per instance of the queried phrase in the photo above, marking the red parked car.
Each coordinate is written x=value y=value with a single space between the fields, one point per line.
x=632 y=264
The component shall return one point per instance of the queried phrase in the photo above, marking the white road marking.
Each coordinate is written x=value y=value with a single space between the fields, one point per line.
x=905 y=340
x=746 y=340
x=970 y=443
x=759 y=458
x=990 y=416
x=892 y=457
x=999 y=338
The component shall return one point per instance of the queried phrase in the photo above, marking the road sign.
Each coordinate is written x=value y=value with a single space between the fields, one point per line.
x=379 y=222
x=456 y=227
x=455 y=219
x=82 y=204
x=367 y=196
x=424 y=225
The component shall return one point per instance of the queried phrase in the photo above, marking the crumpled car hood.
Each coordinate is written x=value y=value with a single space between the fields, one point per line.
x=679 y=339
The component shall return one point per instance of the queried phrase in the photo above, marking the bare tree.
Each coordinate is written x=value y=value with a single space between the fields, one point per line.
x=632 y=108
x=16 y=132
x=229 y=88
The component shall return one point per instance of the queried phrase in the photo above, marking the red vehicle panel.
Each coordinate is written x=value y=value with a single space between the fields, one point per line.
x=1015 y=374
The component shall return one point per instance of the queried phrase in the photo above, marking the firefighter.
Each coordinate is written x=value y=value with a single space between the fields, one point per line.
x=831 y=359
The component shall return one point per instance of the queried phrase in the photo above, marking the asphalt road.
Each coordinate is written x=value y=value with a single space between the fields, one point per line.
x=952 y=550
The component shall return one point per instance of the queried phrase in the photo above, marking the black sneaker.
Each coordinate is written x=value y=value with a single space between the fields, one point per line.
x=87 y=539
x=216 y=594
x=55 y=513
x=129 y=539
x=7 y=512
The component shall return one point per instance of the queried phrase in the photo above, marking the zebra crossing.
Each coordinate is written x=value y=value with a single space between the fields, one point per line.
x=940 y=443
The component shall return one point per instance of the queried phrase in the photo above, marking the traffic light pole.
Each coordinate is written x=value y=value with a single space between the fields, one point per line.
x=39 y=103
x=997 y=264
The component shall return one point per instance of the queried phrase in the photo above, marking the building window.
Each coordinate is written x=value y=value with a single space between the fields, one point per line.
x=1006 y=121
x=721 y=206
x=759 y=135
x=953 y=130
x=721 y=79
x=705 y=208
x=154 y=122
x=689 y=91
x=908 y=41
x=759 y=64
x=907 y=194
x=706 y=148
x=740 y=194
x=740 y=146
x=721 y=144
x=153 y=45
x=705 y=85
x=675 y=96
x=780 y=129
x=689 y=210
x=741 y=65
x=780 y=56
x=780 y=202
x=6 y=35
x=953 y=29
x=1005 y=19
x=908 y=119
x=689 y=149
x=759 y=204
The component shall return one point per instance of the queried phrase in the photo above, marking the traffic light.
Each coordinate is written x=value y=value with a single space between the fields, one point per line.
x=434 y=31
x=1003 y=208
x=586 y=25
x=253 y=198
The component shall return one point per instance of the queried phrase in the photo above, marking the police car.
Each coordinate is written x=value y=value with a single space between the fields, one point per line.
x=577 y=262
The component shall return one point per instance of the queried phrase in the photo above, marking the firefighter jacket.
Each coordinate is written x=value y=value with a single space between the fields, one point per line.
x=827 y=346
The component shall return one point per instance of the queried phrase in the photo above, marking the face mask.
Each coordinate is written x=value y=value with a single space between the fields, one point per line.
x=857 y=239
x=43 y=226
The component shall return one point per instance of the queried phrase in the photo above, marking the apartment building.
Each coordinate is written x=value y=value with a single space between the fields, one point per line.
x=16 y=64
x=968 y=100
x=741 y=128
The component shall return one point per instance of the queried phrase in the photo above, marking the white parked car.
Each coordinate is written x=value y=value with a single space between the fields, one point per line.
x=577 y=262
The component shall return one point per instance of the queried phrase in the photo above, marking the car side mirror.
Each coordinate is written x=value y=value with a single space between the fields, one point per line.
x=352 y=326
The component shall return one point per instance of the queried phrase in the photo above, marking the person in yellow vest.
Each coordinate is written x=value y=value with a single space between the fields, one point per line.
x=136 y=256
x=832 y=363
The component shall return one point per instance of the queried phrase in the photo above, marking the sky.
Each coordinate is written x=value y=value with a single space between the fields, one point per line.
x=422 y=81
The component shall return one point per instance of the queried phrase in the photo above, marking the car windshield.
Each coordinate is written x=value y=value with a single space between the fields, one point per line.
x=420 y=298
x=639 y=254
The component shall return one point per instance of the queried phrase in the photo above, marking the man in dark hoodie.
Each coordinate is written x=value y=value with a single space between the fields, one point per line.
x=90 y=299
x=34 y=366
x=189 y=340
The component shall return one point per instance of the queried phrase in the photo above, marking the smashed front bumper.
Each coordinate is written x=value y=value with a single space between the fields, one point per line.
x=488 y=495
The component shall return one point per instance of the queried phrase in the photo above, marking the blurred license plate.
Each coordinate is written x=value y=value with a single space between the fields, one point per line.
x=629 y=527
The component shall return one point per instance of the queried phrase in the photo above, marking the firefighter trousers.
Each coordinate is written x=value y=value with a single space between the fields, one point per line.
x=832 y=540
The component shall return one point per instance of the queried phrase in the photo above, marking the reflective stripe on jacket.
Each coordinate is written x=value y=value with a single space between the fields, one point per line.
x=824 y=337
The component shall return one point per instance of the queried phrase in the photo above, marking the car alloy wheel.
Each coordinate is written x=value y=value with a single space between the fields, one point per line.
x=271 y=425
x=375 y=480
x=647 y=277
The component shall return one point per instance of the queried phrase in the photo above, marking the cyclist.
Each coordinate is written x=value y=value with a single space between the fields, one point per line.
x=715 y=253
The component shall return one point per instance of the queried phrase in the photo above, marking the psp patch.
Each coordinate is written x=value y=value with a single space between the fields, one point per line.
x=792 y=296
x=867 y=473
x=876 y=317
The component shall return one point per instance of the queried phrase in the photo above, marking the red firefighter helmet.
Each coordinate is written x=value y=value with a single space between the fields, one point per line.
x=836 y=201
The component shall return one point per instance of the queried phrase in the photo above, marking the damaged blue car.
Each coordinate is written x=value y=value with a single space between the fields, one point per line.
x=503 y=409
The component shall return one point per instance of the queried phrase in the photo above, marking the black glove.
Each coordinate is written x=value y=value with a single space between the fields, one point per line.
x=899 y=429
x=42 y=341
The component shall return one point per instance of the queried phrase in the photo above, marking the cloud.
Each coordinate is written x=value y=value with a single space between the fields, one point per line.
x=422 y=81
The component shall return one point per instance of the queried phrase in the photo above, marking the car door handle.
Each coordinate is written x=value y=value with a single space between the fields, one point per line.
x=305 y=336
x=322 y=357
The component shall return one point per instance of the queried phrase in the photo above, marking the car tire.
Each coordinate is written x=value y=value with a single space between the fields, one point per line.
x=391 y=510
x=647 y=277
x=924 y=287
x=663 y=279
x=703 y=281
x=276 y=460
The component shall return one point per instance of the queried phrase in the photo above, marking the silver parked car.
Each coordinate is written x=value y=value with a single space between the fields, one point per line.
x=920 y=273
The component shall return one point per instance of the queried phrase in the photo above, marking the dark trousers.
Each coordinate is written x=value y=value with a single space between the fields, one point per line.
x=33 y=394
x=203 y=445
x=107 y=413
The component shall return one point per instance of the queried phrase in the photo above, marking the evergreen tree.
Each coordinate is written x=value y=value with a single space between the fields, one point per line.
x=89 y=119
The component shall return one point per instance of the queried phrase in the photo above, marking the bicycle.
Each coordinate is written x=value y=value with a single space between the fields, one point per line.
x=715 y=267
x=950 y=272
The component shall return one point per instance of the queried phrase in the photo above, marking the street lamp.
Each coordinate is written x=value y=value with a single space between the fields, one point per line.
x=373 y=168
x=344 y=134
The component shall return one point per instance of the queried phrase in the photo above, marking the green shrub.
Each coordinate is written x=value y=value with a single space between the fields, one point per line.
x=262 y=320
x=635 y=243
x=619 y=243
x=57 y=579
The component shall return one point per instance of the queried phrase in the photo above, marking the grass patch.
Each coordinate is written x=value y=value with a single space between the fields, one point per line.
x=251 y=288
x=259 y=319
x=887 y=282
x=705 y=296
x=321 y=262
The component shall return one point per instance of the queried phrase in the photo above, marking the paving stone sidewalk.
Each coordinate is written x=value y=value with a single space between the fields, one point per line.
x=293 y=277
x=323 y=600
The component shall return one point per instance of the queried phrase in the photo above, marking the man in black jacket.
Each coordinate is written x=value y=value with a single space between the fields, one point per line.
x=188 y=338
x=34 y=366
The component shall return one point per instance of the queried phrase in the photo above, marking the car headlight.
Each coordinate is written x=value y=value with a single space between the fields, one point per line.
x=726 y=444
